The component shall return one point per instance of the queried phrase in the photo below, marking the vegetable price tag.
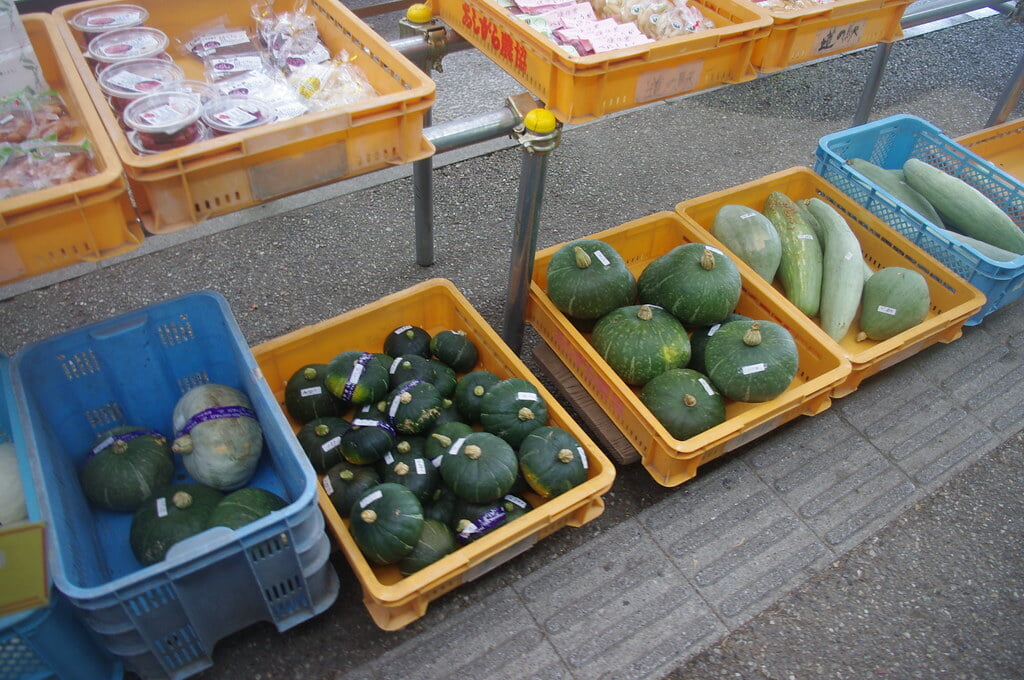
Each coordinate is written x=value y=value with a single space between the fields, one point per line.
x=436 y=460
x=24 y=584
x=370 y=497
x=394 y=365
x=753 y=368
x=526 y=396
x=848 y=256
x=454 y=448
x=389 y=458
x=602 y=258
x=420 y=465
x=887 y=310
x=747 y=216
x=583 y=458
x=713 y=249
x=707 y=387
x=330 y=444
x=328 y=487
x=363 y=422
x=401 y=329
x=161 y=507
x=311 y=391
x=714 y=329
x=806 y=237
x=516 y=500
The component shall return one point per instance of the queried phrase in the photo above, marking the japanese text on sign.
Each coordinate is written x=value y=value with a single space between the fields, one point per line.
x=667 y=82
x=502 y=42
x=839 y=37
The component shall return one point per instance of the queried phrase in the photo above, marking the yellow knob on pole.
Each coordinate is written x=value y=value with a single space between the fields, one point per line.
x=419 y=13
x=540 y=121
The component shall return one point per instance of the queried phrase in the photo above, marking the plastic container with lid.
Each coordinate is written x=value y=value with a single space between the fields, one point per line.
x=129 y=80
x=163 y=121
x=122 y=44
x=200 y=88
x=233 y=113
x=96 y=20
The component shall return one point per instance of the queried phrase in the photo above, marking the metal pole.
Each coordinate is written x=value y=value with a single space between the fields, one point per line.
x=867 y=97
x=481 y=127
x=539 y=135
x=1009 y=97
x=423 y=205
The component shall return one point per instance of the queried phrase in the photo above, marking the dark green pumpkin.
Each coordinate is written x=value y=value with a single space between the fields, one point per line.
x=124 y=466
x=306 y=396
x=473 y=520
x=169 y=516
x=357 y=377
x=482 y=468
x=369 y=437
x=413 y=406
x=436 y=541
x=409 y=367
x=511 y=409
x=407 y=339
x=444 y=378
x=552 y=461
x=699 y=340
x=696 y=283
x=588 y=278
x=321 y=438
x=640 y=342
x=684 y=402
x=244 y=506
x=412 y=470
x=448 y=413
x=751 y=361
x=470 y=390
x=441 y=506
x=386 y=522
x=441 y=437
x=455 y=349
x=345 y=482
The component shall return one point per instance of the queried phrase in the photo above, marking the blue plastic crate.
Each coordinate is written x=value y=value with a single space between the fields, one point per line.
x=889 y=143
x=48 y=641
x=163 y=620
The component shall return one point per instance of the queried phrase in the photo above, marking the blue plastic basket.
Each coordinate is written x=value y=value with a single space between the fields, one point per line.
x=48 y=641
x=163 y=620
x=889 y=143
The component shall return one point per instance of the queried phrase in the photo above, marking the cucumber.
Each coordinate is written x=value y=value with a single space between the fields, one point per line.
x=965 y=208
x=994 y=252
x=800 y=267
x=842 y=274
x=894 y=182
x=895 y=299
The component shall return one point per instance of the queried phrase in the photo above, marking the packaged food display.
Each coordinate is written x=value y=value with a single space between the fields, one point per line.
x=236 y=112
x=96 y=20
x=127 y=81
x=164 y=120
x=122 y=44
x=37 y=165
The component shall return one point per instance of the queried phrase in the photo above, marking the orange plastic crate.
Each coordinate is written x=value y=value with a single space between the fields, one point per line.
x=393 y=601
x=800 y=35
x=579 y=89
x=1000 y=144
x=82 y=221
x=953 y=300
x=673 y=461
x=179 y=188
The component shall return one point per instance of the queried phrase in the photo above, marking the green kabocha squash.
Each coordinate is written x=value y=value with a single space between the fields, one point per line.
x=552 y=461
x=751 y=236
x=386 y=522
x=444 y=378
x=469 y=392
x=684 y=402
x=218 y=436
x=448 y=413
x=480 y=468
x=751 y=361
x=473 y=520
x=407 y=339
x=344 y=484
x=513 y=408
x=413 y=406
x=369 y=436
x=244 y=506
x=696 y=283
x=172 y=514
x=455 y=349
x=306 y=397
x=894 y=299
x=436 y=541
x=441 y=506
x=408 y=367
x=357 y=378
x=125 y=466
x=699 y=340
x=12 y=494
x=640 y=342
x=321 y=438
x=588 y=278
x=412 y=470
x=441 y=437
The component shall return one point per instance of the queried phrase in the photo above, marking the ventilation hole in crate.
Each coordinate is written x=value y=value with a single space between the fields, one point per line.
x=79 y=365
x=105 y=416
x=180 y=647
x=187 y=382
x=268 y=548
x=176 y=333
x=17 y=660
x=151 y=600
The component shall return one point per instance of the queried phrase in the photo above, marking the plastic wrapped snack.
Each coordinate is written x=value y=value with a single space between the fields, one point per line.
x=37 y=165
x=331 y=85
x=26 y=116
x=220 y=40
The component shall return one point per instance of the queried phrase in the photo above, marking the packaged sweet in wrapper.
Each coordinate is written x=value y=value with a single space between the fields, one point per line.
x=331 y=84
x=19 y=67
x=220 y=40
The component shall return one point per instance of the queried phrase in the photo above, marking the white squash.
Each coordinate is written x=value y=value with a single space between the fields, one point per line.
x=12 y=495
x=217 y=435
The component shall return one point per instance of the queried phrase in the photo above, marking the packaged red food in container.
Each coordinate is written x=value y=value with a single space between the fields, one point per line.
x=233 y=113
x=123 y=44
x=200 y=88
x=163 y=121
x=36 y=165
x=96 y=20
x=126 y=81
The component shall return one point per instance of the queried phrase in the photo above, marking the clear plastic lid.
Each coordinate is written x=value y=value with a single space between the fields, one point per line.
x=232 y=112
x=122 y=44
x=200 y=88
x=108 y=17
x=163 y=112
x=136 y=77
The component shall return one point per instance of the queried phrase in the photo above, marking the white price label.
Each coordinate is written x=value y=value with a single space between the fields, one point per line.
x=753 y=368
x=311 y=391
x=328 y=487
x=583 y=458
x=457 y=446
x=707 y=387
x=887 y=310
x=370 y=497
x=161 y=507
x=602 y=258
x=331 y=444
x=420 y=465
x=527 y=396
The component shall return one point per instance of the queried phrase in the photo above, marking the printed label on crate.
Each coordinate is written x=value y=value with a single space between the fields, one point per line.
x=24 y=584
x=839 y=37
x=667 y=82
x=502 y=43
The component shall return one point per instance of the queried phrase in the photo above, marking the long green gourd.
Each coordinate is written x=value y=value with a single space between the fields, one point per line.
x=894 y=181
x=800 y=268
x=842 y=277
